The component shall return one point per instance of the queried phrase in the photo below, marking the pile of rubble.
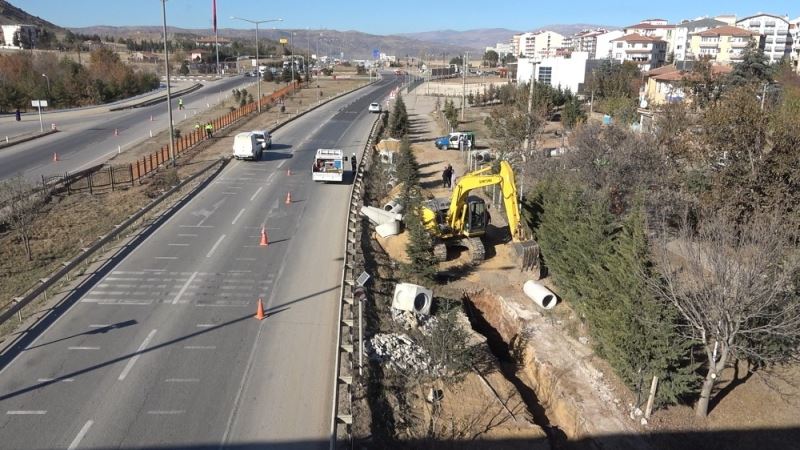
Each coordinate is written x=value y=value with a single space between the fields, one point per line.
x=398 y=352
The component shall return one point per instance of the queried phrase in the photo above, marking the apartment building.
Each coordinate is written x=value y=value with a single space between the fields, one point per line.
x=723 y=44
x=658 y=28
x=603 y=47
x=515 y=48
x=558 y=72
x=648 y=52
x=25 y=35
x=683 y=30
x=540 y=44
x=794 y=31
x=774 y=31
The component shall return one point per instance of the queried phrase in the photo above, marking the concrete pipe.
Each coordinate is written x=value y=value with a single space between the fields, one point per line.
x=393 y=207
x=388 y=229
x=540 y=294
x=483 y=156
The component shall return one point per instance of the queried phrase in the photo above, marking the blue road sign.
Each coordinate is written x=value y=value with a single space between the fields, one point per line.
x=376 y=53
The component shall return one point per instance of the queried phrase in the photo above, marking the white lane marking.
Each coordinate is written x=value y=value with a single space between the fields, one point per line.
x=166 y=257
x=182 y=380
x=186 y=235
x=122 y=272
x=121 y=279
x=172 y=412
x=83 y=348
x=178 y=245
x=99 y=325
x=155 y=270
x=238 y=216
x=26 y=413
x=240 y=271
x=81 y=434
x=183 y=288
x=214 y=248
x=200 y=347
x=257 y=192
x=63 y=380
x=135 y=358
x=229 y=193
x=206 y=325
x=245 y=259
x=196 y=226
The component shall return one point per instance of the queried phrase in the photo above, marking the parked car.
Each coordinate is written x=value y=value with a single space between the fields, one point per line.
x=375 y=107
x=264 y=138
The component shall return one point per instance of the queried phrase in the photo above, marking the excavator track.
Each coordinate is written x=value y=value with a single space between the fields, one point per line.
x=477 y=252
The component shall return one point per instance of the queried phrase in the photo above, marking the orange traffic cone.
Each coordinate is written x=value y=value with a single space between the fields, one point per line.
x=260 y=311
x=55 y=157
x=264 y=239
x=288 y=198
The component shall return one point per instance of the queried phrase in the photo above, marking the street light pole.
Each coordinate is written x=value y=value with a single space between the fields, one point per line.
x=169 y=87
x=48 y=86
x=258 y=66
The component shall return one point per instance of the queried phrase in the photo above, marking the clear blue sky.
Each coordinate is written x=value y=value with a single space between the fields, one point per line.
x=388 y=17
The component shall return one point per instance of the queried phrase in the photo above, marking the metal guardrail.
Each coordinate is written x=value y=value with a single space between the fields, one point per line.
x=346 y=322
x=20 y=302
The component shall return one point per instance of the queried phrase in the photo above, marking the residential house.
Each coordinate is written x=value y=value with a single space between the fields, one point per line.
x=540 y=44
x=680 y=36
x=774 y=30
x=565 y=73
x=648 y=52
x=198 y=54
x=665 y=84
x=723 y=44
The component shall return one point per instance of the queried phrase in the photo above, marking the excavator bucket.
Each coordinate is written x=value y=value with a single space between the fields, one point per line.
x=528 y=257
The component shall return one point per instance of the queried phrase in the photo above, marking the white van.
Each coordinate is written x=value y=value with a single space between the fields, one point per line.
x=329 y=165
x=247 y=146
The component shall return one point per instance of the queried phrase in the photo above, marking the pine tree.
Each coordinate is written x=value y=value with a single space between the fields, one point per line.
x=398 y=119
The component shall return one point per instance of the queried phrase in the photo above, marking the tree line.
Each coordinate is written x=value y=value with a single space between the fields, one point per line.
x=67 y=83
x=678 y=246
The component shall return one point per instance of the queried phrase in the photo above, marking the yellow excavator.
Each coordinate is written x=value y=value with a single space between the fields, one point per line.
x=461 y=220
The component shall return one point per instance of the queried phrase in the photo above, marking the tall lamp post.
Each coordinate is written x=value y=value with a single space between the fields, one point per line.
x=169 y=87
x=48 y=84
x=257 y=22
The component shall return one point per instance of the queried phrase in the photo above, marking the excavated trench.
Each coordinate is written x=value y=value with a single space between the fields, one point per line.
x=509 y=368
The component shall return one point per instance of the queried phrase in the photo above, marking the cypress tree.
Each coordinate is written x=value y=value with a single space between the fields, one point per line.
x=398 y=119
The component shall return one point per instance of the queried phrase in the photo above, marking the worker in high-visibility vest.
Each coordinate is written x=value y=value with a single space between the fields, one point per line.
x=180 y=103
x=209 y=129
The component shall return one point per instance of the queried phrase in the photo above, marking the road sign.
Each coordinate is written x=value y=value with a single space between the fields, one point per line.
x=283 y=41
x=362 y=279
x=39 y=103
x=376 y=53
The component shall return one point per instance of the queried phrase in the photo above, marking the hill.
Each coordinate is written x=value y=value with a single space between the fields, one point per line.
x=477 y=39
x=11 y=15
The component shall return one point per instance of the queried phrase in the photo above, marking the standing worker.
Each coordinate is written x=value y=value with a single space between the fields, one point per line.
x=353 y=163
x=180 y=103
x=209 y=130
x=19 y=116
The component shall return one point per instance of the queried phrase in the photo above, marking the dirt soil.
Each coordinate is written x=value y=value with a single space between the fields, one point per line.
x=580 y=393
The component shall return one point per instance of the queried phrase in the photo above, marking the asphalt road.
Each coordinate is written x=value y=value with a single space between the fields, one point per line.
x=164 y=351
x=87 y=135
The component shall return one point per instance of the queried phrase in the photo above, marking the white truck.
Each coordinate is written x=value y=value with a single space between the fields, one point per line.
x=247 y=146
x=329 y=165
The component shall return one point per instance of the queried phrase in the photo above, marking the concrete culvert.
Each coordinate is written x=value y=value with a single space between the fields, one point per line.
x=540 y=295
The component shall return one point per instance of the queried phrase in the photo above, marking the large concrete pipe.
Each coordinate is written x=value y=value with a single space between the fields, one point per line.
x=379 y=216
x=393 y=207
x=540 y=294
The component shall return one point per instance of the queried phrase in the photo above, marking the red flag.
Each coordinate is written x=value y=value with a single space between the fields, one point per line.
x=214 y=13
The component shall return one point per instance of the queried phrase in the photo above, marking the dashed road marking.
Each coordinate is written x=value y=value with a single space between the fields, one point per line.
x=81 y=434
x=135 y=358
x=26 y=413
x=235 y=219
x=183 y=288
x=214 y=247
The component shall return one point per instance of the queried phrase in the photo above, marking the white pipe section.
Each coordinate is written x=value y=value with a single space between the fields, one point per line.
x=378 y=216
x=393 y=207
x=540 y=294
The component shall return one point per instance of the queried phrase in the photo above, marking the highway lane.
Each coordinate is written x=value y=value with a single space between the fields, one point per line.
x=164 y=350
x=88 y=136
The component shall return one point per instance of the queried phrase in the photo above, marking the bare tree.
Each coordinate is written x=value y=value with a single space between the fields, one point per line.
x=19 y=205
x=735 y=286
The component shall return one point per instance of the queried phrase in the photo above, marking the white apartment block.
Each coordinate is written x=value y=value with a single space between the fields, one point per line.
x=794 y=31
x=502 y=48
x=515 y=47
x=657 y=28
x=565 y=73
x=774 y=31
x=9 y=31
x=540 y=44
x=604 y=48
x=680 y=36
x=648 y=52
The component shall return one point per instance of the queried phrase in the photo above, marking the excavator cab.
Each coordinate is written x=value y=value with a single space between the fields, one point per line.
x=477 y=217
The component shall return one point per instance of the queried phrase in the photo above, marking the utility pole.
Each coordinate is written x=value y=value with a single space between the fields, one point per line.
x=169 y=88
x=258 y=66
x=464 y=85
